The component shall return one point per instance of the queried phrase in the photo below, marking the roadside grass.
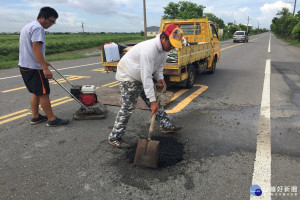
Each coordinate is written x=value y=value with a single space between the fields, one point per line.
x=290 y=41
x=61 y=46
x=293 y=42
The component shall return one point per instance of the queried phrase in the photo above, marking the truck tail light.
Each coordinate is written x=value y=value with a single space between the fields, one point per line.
x=114 y=69
x=171 y=72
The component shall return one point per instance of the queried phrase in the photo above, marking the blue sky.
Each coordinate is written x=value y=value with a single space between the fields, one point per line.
x=127 y=15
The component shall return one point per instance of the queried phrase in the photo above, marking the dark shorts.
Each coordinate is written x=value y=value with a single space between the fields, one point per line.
x=35 y=81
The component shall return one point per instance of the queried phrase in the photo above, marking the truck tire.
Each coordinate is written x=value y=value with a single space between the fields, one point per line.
x=191 y=78
x=213 y=66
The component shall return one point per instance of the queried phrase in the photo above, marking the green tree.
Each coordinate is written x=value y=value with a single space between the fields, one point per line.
x=243 y=27
x=296 y=32
x=232 y=29
x=298 y=14
x=286 y=24
x=290 y=22
x=183 y=10
x=284 y=12
x=217 y=21
x=274 y=24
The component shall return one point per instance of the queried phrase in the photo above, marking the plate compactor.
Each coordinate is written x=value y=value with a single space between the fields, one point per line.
x=85 y=95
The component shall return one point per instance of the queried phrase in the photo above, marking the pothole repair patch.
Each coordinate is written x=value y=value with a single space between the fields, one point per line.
x=170 y=151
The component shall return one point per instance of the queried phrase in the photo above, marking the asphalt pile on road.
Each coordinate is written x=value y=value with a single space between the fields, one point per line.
x=170 y=151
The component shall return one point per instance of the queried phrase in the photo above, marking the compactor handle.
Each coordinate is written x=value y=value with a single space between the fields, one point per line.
x=62 y=75
x=70 y=93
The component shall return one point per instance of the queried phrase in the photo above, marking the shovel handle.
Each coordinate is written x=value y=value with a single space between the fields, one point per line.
x=151 y=125
x=154 y=115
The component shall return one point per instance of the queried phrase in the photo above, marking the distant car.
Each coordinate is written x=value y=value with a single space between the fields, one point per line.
x=240 y=36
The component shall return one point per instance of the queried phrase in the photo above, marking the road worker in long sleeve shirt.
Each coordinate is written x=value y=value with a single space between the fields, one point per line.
x=135 y=74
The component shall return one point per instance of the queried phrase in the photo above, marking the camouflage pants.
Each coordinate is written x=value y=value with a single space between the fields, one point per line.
x=130 y=91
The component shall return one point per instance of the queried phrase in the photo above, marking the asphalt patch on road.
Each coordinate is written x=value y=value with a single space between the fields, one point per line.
x=171 y=151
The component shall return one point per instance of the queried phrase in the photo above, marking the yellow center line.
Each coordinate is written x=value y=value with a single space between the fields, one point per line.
x=230 y=47
x=60 y=99
x=109 y=84
x=14 y=113
x=28 y=112
x=14 y=118
x=99 y=70
x=235 y=45
x=187 y=100
x=10 y=90
x=70 y=78
x=56 y=104
x=114 y=85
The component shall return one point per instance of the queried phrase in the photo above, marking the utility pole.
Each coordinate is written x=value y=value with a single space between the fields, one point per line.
x=82 y=27
x=294 y=7
x=247 y=24
x=258 y=25
x=145 y=21
x=293 y=4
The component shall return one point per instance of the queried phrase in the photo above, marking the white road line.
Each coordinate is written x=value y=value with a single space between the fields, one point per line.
x=78 y=66
x=57 y=69
x=262 y=166
x=10 y=77
x=269 y=48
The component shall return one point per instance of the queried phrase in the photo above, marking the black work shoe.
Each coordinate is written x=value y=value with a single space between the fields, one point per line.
x=58 y=122
x=119 y=143
x=40 y=119
x=171 y=129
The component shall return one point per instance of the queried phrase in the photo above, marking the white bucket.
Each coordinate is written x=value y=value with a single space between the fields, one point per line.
x=111 y=52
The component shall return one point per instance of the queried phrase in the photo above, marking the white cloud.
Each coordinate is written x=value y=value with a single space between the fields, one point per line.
x=275 y=7
x=269 y=11
x=12 y=22
x=127 y=15
x=241 y=15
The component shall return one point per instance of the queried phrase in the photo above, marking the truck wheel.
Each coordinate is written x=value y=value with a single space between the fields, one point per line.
x=191 y=78
x=213 y=66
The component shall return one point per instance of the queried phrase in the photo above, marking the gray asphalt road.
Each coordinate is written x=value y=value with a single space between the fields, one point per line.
x=229 y=143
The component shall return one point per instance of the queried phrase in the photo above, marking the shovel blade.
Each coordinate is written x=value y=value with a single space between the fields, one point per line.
x=146 y=154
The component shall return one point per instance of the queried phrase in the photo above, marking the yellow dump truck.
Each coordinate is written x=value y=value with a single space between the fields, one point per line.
x=200 y=55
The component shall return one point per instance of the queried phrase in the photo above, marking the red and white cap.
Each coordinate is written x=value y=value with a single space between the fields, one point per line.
x=175 y=35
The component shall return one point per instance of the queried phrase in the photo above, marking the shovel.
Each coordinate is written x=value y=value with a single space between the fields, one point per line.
x=147 y=150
